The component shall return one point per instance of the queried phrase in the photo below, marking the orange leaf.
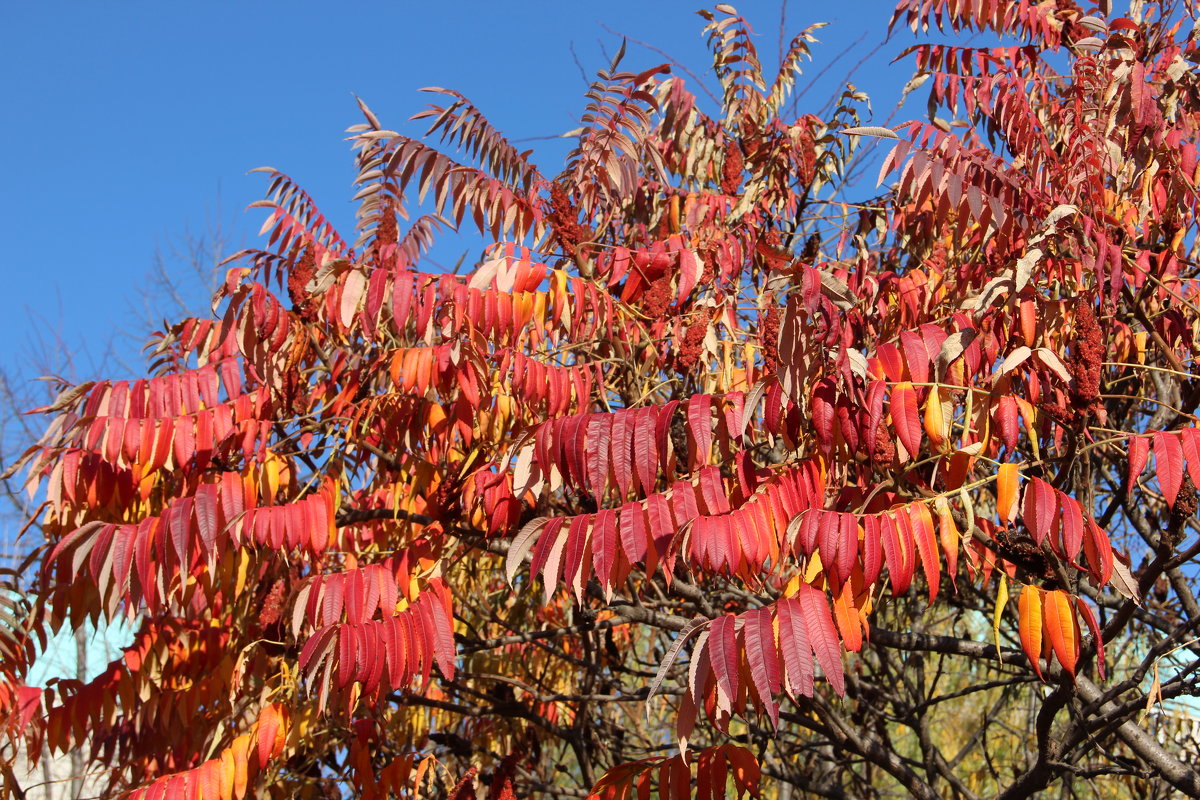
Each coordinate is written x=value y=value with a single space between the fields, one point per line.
x=241 y=775
x=926 y=541
x=1007 y=489
x=938 y=416
x=846 y=615
x=948 y=536
x=1062 y=629
x=228 y=774
x=268 y=727
x=1030 y=609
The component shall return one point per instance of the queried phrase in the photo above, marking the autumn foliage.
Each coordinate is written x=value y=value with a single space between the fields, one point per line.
x=714 y=473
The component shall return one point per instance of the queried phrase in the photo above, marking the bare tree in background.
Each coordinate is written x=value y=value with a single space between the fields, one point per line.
x=183 y=273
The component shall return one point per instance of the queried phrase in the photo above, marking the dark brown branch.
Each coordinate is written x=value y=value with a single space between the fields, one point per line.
x=1175 y=772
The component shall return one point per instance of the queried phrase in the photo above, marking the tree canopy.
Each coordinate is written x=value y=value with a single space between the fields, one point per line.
x=712 y=475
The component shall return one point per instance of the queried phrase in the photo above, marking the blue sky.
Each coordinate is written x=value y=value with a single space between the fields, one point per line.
x=129 y=123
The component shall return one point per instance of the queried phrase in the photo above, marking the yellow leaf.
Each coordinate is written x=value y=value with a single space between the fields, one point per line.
x=243 y=569
x=1155 y=694
x=1001 y=602
x=815 y=569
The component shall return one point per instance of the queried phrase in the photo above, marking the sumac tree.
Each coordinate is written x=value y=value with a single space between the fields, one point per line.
x=706 y=476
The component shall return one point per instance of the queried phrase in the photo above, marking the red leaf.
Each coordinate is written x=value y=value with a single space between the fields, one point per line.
x=823 y=414
x=949 y=539
x=179 y=524
x=370 y=657
x=763 y=657
x=907 y=549
x=874 y=408
x=795 y=647
x=633 y=532
x=659 y=524
x=746 y=548
x=574 y=567
x=406 y=658
x=823 y=635
x=723 y=654
x=206 y=515
x=442 y=629
x=1072 y=525
x=394 y=651
x=1006 y=421
x=604 y=546
x=1139 y=451
x=699 y=413
x=916 y=355
x=847 y=546
x=1086 y=612
x=829 y=535
x=645 y=459
x=889 y=358
x=1168 y=461
x=714 y=536
x=808 y=531
x=664 y=415
x=354 y=597
x=872 y=549
x=599 y=435
x=905 y=417
x=712 y=491
x=1191 y=452
x=268 y=727
x=898 y=573
x=1040 y=509
x=621 y=449
x=1098 y=551
x=123 y=547
x=545 y=542
x=574 y=448
x=346 y=655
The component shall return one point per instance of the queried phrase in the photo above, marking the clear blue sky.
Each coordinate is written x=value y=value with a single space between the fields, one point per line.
x=126 y=123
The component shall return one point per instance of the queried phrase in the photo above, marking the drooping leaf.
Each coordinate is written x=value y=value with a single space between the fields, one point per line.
x=1139 y=453
x=822 y=635
x=1097 y=639
x=1030 y=610
x=1062 y=629
x=1040 y=509
x=926 y=543
x=905 y=418
x=998 y=612
x=763 y=657
x=795 y=647
x=723 y=653
x=1007 y=492
x=1168 y=462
